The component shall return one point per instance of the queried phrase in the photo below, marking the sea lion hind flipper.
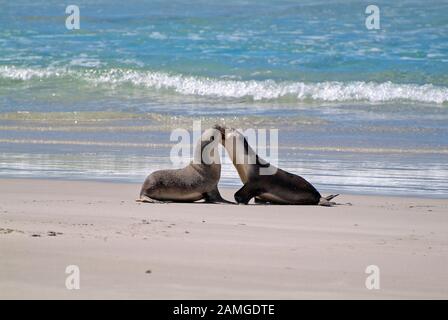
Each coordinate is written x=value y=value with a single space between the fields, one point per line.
x=328 y=198
x=325 y=201
x=215 y=197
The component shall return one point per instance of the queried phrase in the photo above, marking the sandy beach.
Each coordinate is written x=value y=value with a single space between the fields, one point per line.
x=187 y=251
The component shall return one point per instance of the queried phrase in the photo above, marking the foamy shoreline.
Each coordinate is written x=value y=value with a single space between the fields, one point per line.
x=189 y=251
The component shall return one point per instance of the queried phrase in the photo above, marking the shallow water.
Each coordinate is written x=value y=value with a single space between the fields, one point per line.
x=357 y=111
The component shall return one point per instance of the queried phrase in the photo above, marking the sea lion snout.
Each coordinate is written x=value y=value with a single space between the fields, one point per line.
x=222 y=131
x=229 y=136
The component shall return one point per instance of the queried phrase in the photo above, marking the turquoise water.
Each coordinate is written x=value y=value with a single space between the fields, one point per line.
x=361 y=111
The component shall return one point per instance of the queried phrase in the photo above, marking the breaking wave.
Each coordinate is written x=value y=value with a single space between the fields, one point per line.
x=257 y=90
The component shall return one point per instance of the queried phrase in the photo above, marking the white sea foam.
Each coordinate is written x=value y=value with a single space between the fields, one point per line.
x=86 y=62
x=271 y=90
x=15 y=73
x=157 y=35
x=332 y=91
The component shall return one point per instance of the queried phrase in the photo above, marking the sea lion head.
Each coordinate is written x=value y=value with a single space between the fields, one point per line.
x=206 y=151
x=244 y=158
x=236 y=145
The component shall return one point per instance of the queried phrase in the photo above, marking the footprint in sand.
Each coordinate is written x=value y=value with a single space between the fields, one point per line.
x=9 y=231
x=54 y=234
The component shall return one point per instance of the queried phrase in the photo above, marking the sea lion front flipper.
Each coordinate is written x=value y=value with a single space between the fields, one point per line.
x=146 y=199
x=246 y=193
x=215 y=197
x=260 y=201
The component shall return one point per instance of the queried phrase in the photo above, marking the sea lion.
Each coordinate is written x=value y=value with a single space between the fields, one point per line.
x=197 y=181
x=263 y=181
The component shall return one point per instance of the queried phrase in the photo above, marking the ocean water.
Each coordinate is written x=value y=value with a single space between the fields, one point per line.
x=358 y=111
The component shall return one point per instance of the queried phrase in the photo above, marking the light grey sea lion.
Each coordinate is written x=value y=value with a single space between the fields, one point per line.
x=265 y=182
x=197 y=181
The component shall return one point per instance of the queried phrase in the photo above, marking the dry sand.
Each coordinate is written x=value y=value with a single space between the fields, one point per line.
x=215 y=251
